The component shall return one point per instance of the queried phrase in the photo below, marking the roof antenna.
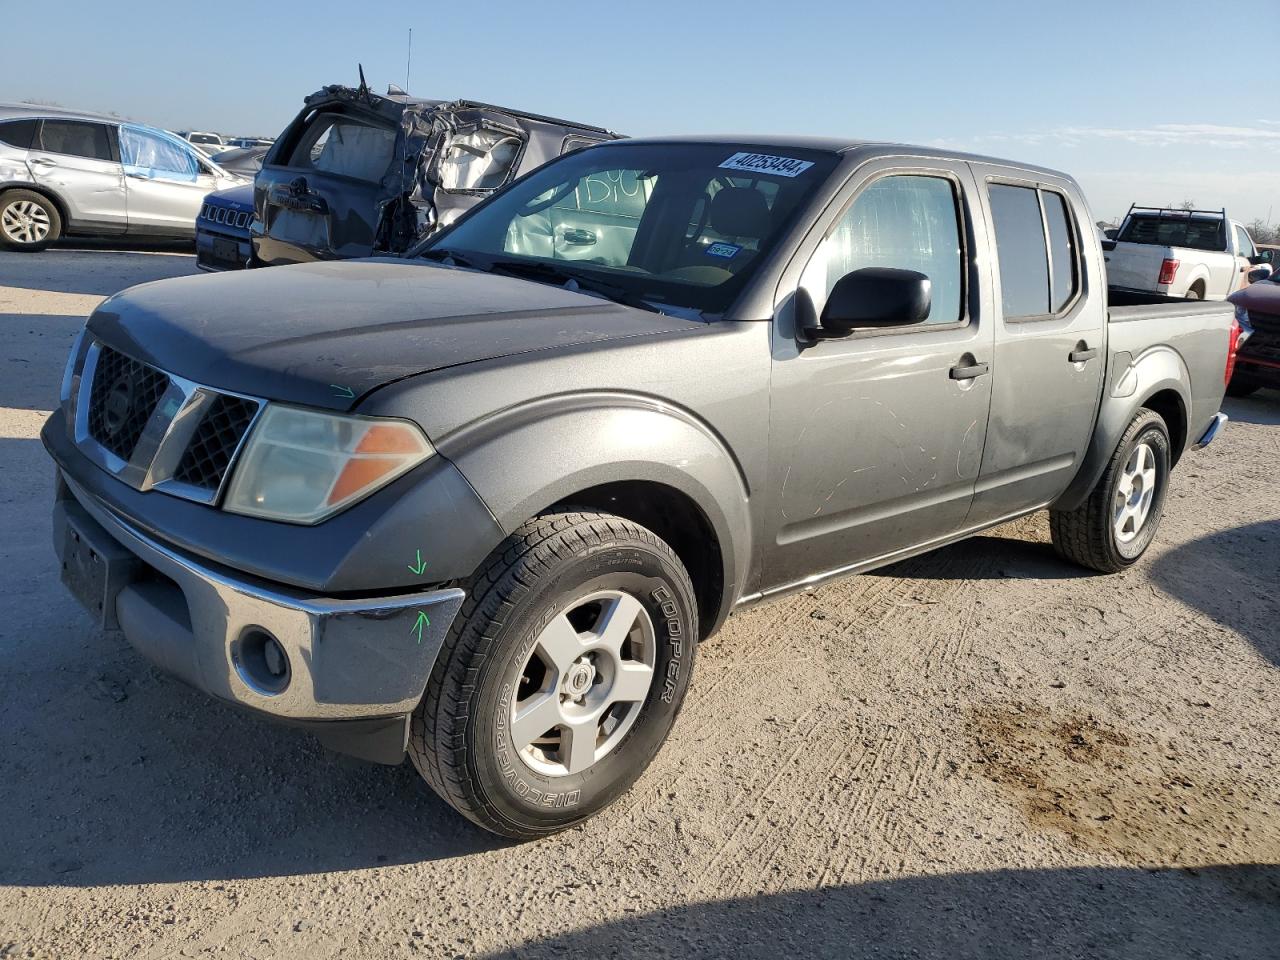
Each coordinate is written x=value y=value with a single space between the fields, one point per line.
x=364 y=87
x=408 y=61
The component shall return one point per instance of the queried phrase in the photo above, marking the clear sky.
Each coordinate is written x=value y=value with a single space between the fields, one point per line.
x=1153 y=102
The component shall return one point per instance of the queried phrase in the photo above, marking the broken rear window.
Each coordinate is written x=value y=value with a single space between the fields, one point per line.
x=345 y=147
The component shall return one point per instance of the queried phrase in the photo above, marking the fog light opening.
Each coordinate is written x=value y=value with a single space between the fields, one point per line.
x=261 y=661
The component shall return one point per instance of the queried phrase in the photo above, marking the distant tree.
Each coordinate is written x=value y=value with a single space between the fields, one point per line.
x=1187 y=205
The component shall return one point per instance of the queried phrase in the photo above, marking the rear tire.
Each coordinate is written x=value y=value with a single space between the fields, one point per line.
x=583 y=622
x=1196 y=293
x=1116 y=524
x=29 y=221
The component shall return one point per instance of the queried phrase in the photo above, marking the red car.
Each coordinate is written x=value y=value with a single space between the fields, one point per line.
x=1258 y=362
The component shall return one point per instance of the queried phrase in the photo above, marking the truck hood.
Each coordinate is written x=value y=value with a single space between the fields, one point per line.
x=325 y=334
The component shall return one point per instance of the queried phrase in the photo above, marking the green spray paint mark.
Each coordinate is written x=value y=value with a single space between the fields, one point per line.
x=346 y=393
x=422 y=621
x=418 y=565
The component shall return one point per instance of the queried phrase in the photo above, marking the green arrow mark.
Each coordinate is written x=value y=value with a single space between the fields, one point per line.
x=346 y=393
x=423 y=621
x=418 y=566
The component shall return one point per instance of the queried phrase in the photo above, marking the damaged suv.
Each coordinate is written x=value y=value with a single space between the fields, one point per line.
x=357 y=174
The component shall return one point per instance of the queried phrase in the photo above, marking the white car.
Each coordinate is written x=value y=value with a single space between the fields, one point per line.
x=1190 y=254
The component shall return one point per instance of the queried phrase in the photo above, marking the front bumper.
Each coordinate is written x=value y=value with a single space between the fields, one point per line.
x=361 y=664
x=222 y=249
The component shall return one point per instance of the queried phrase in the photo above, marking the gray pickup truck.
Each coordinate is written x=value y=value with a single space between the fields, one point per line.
x=479 y=503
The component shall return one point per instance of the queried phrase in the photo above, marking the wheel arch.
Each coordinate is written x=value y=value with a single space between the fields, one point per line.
x=657 y=465
x=1158 y=380
x=50 y=195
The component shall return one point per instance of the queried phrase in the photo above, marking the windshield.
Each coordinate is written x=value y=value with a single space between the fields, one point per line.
x=681 y=225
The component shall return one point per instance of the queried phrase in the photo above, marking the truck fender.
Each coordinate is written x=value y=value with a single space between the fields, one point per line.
x=1198 y=273
x=525 y=459
x=1158 y=372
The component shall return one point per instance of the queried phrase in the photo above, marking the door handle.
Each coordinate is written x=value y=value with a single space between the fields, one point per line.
x=44 y=161
x=969 y=372
x=579 y=238
x=1082 y=356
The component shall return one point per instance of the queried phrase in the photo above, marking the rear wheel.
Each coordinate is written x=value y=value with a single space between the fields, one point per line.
x=28 y=221
x=1196 y=292
x=1118 y=521
x=561 y=677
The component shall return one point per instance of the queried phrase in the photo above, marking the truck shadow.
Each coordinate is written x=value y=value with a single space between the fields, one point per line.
x=1094 y=912
x=1217 y=572
x=116 y=774
x=988 y=556
x=1261 y=408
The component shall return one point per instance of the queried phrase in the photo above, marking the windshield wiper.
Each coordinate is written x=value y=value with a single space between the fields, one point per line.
x=541 y=272
x=444 y=253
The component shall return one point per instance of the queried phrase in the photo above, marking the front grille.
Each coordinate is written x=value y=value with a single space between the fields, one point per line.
x=124 y=394
x=1264 y=344
x=226 y=215
x=215 y=442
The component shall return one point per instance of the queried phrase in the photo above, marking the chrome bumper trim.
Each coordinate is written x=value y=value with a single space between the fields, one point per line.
x=1215 y=428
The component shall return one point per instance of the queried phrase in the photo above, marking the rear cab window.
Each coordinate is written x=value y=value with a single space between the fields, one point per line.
x=1175 y=230
x=344 y=146
x=1037 y=251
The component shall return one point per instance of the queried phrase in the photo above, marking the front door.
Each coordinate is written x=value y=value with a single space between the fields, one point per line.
x=1050 y=351
x=166 y=182
x=77 y=161
x=876 y=439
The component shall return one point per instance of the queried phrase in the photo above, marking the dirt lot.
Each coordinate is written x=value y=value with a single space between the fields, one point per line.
x=978 y=753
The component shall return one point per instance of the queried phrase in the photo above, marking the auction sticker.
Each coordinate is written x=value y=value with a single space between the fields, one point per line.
x=766 y=163
x=726 y=250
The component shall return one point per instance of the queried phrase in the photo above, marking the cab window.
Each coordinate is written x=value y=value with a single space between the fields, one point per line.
x=910 y=222
x=156 y=156
x=1036 y=249
x=18 y=133
x=75 y=138
x=1244 y=245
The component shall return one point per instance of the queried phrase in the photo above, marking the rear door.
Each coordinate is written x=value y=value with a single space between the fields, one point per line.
x=1050 y=342
x=1244 y=254
x=165 y=179
x=79 y=161
x=320 y=196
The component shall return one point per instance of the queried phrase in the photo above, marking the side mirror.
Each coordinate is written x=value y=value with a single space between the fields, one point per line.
x=1260 y=272
x=876 y=297
x=1264 y=256
x=1108 y=245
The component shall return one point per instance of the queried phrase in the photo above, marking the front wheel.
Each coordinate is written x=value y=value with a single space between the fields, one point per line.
x=561 y=677
x=1118 y=521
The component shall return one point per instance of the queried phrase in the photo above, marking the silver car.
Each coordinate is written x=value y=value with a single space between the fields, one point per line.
x=65 y=173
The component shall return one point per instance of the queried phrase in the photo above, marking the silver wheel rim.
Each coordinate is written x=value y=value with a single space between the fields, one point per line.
x=584 y=684
x=1134 y=493
x=25 y=221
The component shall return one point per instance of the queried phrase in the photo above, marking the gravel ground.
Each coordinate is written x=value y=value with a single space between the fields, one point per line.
x=981 y=752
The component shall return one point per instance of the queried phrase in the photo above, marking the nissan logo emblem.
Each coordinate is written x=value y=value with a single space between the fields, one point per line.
x=116 y=406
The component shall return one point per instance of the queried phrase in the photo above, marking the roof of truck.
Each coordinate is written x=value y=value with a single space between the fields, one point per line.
x=843 y=145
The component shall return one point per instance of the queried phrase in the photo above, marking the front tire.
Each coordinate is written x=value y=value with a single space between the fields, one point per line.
x=28 y=221
x=561 y=677
x=1116 y=524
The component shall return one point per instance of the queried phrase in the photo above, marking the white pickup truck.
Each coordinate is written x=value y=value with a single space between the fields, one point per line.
x=1189 y=254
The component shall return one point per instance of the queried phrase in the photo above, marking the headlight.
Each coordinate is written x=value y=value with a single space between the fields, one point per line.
x=303 y=465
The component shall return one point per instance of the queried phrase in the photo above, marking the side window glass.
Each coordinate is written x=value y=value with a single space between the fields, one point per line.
x=75 y=138
x=576 y=143
x=479 y=160
x=18 y=133
x=1020 y=249
x=1243 y=243
x=907 y=222
x=1063 y=257
x=151 y=154
x=338 y=145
